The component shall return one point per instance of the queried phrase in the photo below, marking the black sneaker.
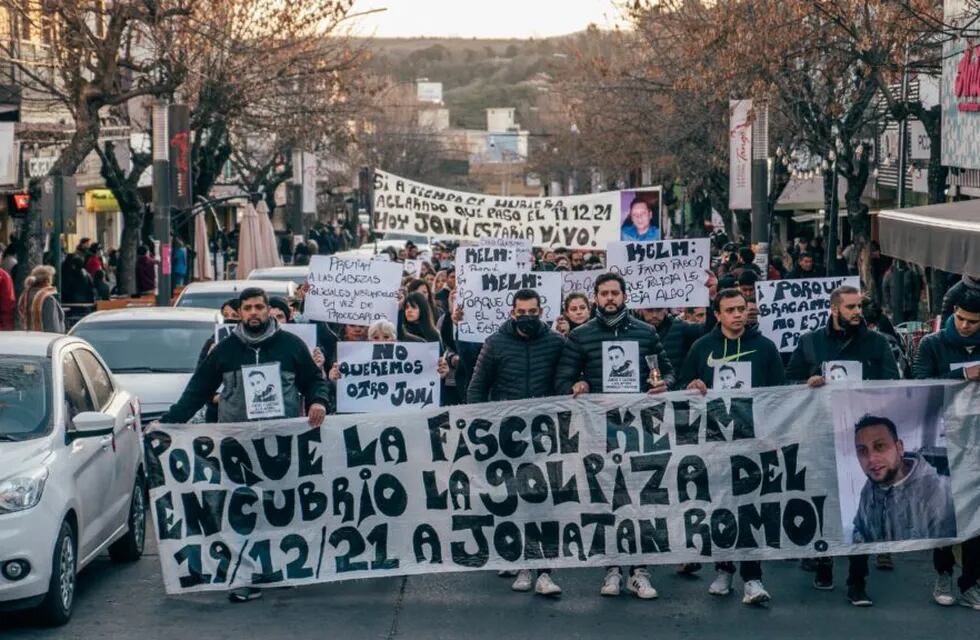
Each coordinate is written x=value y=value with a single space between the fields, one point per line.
x=824 y=581
x=858 y=596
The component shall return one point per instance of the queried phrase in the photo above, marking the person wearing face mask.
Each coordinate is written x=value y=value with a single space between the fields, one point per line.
x=519 y=362
x=846 y=337
x=580 y=370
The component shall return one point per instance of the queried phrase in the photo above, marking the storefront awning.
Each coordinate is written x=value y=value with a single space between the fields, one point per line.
x=944 y=236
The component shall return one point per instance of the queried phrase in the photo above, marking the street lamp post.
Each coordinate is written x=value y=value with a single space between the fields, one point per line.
x=161 y=199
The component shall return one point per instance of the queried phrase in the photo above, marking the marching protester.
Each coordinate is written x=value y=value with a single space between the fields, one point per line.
x=733 y=341
x=675 y=334
x=806 y=267
x=580 y=371
x=415 y=322
x=845 y=338
x=265 y=373
x=516 y=363
x=954 y=354
x=576 y=311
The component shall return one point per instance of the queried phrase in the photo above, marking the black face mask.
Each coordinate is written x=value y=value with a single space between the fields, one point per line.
x=231 y=321
x=529 y=326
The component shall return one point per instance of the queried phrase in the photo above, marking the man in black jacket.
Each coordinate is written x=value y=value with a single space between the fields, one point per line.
x=954 y=354
x=846 y=337
x=518 y=362
x=805 y=268
x=732 y=341
x=675 y=334
x=580 y=370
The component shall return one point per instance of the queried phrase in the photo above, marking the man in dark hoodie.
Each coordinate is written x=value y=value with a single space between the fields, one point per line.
x=954 y=354
x=846 y=337
x=733 y=341
x=518 y=362
x=255 y=346
x=675 y=334
x=580 y=370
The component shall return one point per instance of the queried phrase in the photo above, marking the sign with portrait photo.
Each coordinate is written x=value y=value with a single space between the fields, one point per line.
x=842 y=371
x=730 y=376
x=263 y=391
x=620 y=367
x=640 y=215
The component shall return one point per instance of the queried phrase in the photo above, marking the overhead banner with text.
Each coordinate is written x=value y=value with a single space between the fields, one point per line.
x=586 y=221
x=559 y=482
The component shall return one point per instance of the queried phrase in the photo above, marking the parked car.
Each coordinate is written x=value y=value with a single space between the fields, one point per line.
x=292 y=274
x=71 y=470
x=152 y=351
x=211 y=295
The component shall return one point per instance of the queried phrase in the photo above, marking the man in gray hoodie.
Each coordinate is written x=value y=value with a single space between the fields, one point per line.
x=904 y=498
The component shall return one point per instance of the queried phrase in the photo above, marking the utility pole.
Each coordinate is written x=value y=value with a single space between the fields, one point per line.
x=903 y=128
x=161 y=199
x=760 y=174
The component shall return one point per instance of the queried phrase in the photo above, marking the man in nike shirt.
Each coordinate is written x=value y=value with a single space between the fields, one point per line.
x=733 y=341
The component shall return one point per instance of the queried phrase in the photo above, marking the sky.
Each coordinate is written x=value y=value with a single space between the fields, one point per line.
x=482 y=18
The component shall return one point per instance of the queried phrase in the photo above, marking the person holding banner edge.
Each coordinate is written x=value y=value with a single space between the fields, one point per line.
x=516 y=363
x=580 y=370
x=846 y=337
x=954 y=354
x=732 y=341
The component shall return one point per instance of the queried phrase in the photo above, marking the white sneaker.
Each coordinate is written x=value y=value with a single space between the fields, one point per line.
x=942 y=590
x=722 y=584
x=545 y=586
x=755 y=593
x=639 y=585
x=971 y=597
x=523 y=581
x=612 y=583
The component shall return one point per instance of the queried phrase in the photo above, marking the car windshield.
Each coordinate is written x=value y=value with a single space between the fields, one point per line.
x=25 y=397
x=147 y=346
x=205 y=299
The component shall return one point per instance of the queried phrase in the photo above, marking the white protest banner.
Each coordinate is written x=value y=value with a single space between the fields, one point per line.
x=663 y=274
x=304 y=331
x=555 y=483
x=480 y=259
x=740 y=155
x=579 y=281
x=524 y=249
x=387 y=376
x=352 y=290
x=487 y=299
x=586 y=221
x=790 y=308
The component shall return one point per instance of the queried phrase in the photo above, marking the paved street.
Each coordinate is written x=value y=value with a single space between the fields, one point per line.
x=120 y=601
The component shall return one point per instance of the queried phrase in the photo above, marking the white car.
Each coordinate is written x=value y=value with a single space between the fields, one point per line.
x=211 y=295
x=152 y=351
x=71 y=470
x=293 y=274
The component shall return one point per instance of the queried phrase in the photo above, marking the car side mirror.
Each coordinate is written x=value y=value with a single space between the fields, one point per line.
x=89 y=424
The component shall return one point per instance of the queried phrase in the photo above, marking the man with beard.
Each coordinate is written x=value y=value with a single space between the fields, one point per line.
x=675 y=334
x=732 y=340
x=255 y=342
x=954 y=354
x=846 y=337
x=580 y=371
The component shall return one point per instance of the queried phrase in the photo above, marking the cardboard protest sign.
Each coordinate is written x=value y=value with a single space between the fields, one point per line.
x=485 y=259
x=620 y=367
x=405 y=206
x=387 y=376
x=579 y=281
x=663 y=274
x=263 y=391
x=487 y=299
x=790 y=308
x=523 y=248
x=599 y=481
x=352 y=290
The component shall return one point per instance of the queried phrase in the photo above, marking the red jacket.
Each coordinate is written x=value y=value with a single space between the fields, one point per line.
x=8 y=303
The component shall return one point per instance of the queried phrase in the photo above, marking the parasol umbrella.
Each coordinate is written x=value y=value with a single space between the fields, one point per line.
x=269 y=248
x=249 y=242
x=203 y=268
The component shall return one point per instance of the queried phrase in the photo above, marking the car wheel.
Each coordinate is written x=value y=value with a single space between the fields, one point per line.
x=129 y=548
x=56 y=608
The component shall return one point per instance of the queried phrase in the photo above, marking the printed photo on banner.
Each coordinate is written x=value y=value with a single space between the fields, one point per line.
x=387 y=376
x=487 y=299
x=663 y=274
x=892 y=466
x=352 y=290
x=620 y=367
x=263 y=391
x=639 y=214
x=842 y=371
x=790 y=308
x=732 y=375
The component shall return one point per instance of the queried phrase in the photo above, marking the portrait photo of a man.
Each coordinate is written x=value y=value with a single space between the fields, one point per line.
x=904 y=496
x=640 y=216
x=262 y=390
x=621 y=365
